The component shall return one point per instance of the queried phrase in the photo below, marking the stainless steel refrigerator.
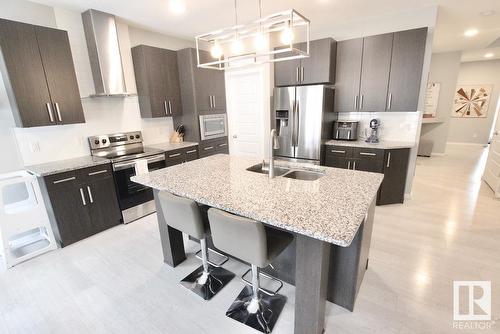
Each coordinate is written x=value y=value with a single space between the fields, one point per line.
x=303 y=117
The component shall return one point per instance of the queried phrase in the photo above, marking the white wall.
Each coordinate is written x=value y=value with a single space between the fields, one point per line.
x=444 y=69
x=476 y=130
x=103 y=115
x=23 y=11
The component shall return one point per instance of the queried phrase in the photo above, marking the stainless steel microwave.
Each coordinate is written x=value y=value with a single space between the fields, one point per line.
x=213 y=126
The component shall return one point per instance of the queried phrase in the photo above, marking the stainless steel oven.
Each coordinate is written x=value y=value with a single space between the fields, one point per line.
x=213 y=126
x=135 y=200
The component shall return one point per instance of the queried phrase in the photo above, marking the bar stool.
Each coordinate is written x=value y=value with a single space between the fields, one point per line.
x=250 y=241
x=185 y=215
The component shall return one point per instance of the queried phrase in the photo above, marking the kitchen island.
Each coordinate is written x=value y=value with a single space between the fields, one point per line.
x=331 y=219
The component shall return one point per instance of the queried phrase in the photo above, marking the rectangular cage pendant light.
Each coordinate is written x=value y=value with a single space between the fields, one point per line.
x=279 y=37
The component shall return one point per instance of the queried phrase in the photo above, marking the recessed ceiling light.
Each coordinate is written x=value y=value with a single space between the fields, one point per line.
x=471 y=32
x=177 y=6
x=489 y=55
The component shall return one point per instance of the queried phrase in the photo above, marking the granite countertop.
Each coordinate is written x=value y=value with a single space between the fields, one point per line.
x=330 y=209
x=384 y=145
x=172 y=146
x=65 y=165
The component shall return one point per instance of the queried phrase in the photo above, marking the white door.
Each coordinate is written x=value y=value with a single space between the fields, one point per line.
x=492 y=170
x=248 y=103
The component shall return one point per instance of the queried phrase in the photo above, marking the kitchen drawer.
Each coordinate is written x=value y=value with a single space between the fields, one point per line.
x=174 y=157
x=63 y=179
x=96 y=172
x=222 y=146
x=191 y=153
x=340 y=151
x=368 y=153
x=207 y=148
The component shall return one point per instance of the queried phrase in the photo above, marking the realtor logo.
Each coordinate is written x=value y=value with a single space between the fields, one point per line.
x=472 y=300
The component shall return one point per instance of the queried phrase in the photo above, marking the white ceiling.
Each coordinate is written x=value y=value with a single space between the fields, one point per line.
x=328 y=17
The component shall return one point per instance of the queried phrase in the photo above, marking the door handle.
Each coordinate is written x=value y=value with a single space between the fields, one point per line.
x=354 y=165
x=165 y=107
x=84 y=202
x=170 y=107
x=361 y=101
x=302 y=74
x=389 y=102
x=297 y=126
x=58 y=111
x=49 y=110
x=388 y=160
x=355 y=102
x=349 y=164
x=90 y=194
x=297 y=78
x=213 y=99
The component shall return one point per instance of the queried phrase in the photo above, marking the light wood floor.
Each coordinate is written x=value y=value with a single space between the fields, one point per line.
x=115 y=282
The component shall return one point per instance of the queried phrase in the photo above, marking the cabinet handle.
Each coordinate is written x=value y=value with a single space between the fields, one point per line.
x=84 y=202
x=208 y=148
x=349 y=164
x=366 y=153
x=64 y=180
x=213 y=99
x=192 y=151
x=222 y=145
x=58 y=112
x=98 y=172
x=210 y=98
x=165 y=107
x=49 y=110
x=355 y=104
x=388 y=160
x=348 y=134
x=354 y=165
x=389 y=102
x=361 y=101
x=174 y=155
x=302 y=74
x=297 y=74
x=170 y=107
x=90 y=195
x=338 y=151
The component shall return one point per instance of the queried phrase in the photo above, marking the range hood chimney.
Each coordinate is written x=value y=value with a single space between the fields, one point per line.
x=103 y=43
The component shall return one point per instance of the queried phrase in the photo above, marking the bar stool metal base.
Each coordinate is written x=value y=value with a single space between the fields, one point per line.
x=207 y=286
x=264 y=318
x=222 y=257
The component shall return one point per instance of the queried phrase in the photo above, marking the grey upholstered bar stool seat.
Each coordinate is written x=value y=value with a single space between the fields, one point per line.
x=252 y=242
x=184 y=215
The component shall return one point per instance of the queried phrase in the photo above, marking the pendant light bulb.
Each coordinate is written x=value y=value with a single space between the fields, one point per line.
x=216 y=51
x=260 y=42
x=237 y=47
x=287 y=36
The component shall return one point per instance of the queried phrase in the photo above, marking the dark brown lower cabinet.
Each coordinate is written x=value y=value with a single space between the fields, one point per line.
x=214 y=146
x=181 y=155
x=392 y=163
x=81 y=203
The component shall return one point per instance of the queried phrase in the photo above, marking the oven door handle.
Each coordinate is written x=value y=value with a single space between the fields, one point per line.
x=128 y=164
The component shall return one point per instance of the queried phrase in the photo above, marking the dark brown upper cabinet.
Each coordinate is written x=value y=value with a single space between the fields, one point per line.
x=157 y=79
x=318 y=68
x=348 y=74
x=209 y=86
x=375 y=72
x=406 y=69
x=39 y=74
x=380 y=73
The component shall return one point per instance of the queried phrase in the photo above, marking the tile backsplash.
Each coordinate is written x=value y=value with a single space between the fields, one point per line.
x=394 y=126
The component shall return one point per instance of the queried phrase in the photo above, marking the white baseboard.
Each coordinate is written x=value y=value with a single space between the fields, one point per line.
x=433 y=154
x=467 y=144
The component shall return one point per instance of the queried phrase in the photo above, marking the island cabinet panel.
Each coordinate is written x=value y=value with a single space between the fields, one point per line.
x=318 y=68
x=81 y=202
x=37 y=68
x=392 y=163
x=406 y=69
x=157 y=79
x=392 y=189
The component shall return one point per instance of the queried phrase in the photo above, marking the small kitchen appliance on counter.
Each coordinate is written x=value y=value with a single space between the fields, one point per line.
x=345 y=130
x=374 y=125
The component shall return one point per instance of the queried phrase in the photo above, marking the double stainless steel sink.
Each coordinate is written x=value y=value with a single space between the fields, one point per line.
x=291 y=173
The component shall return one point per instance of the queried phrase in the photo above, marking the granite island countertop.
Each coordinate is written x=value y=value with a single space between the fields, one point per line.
x=167 y=146
x=60 y=166
x=330 y=209
x=383 y=144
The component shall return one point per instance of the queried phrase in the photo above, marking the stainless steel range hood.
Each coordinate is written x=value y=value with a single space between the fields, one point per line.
x=103 y=44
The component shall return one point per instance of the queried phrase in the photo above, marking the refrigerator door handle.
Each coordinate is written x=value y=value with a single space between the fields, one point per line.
x=297 y=127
